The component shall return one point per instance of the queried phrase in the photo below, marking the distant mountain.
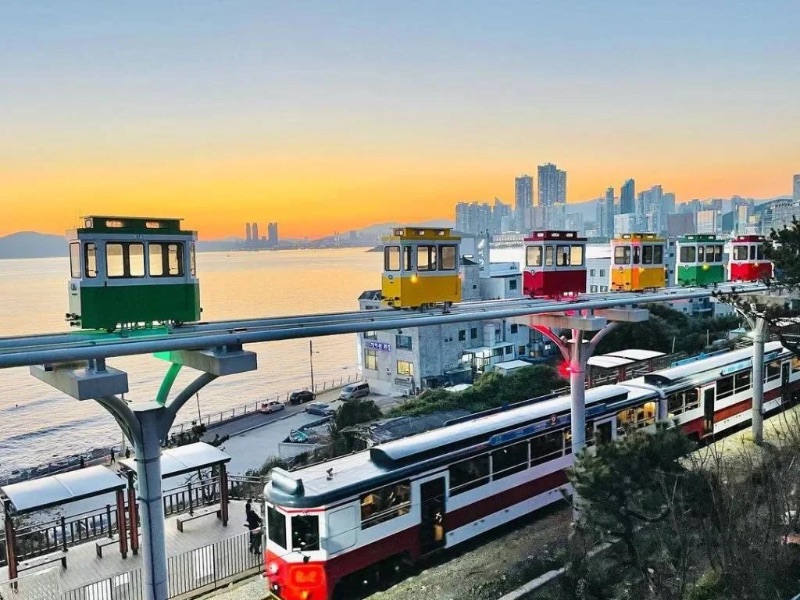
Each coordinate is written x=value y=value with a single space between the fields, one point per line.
x=29 y=244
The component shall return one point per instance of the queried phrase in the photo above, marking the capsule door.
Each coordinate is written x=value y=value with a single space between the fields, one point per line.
x=709 y=398
x=432 y=522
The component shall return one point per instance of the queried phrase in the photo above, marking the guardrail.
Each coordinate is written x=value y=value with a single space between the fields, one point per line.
x=251 y=407
x=190 y=574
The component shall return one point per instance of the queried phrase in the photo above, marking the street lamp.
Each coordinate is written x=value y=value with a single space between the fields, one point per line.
x=311 y=362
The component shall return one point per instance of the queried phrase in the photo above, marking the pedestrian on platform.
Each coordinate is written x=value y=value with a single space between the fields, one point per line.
x=113 y=458
x=254 y=526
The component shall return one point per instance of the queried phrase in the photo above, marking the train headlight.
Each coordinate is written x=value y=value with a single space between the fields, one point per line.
x=705 y=267
x=272 y=568
x=414 y=279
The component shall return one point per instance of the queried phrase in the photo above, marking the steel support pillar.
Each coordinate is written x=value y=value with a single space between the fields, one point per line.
x=577 y=390
x=759 y=337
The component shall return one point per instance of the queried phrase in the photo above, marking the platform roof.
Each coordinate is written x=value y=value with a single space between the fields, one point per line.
x=636 y=354
x=185 y=459
x=55 y=490
x=607 y=361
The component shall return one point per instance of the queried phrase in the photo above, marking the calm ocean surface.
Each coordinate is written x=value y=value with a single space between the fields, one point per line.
x=39 y=424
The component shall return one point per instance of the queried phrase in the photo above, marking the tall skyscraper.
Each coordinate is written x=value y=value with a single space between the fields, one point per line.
x=272 y=235
x=254 y=234
x=501 y=214
x=248 y=233
x=796 y=189
x=605 y=214
x=523 y=201
x=473 y=217
x=552 y=185
x=627 y=198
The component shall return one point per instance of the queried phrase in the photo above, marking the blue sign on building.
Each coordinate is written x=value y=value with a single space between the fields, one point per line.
x=378 y=346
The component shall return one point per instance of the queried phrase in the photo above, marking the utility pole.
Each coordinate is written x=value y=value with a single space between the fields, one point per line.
x=311 y=362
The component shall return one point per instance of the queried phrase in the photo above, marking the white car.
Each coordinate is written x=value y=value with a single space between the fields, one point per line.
x=271 y=406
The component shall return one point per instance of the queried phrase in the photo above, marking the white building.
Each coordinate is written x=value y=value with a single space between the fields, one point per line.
x=412 y=359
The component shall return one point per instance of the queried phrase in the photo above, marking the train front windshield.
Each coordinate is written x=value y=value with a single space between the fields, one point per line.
x=301 y=530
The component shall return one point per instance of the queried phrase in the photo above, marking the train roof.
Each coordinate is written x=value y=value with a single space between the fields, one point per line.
x=120 y=224
x=400 y=234
x=710 y=368
x=550 y=235
x=699 y=237
x=344 y=477
x=639 y=237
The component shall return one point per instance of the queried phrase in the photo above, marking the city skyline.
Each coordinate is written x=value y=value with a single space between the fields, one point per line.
x=333 y=118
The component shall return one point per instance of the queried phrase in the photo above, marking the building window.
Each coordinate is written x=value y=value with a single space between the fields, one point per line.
x=593 y=288
x=509 y=349
x=385 y=503
x=521 y=351
x=602 y=272
x=403 y=342
x=405 y=367
x=512 y=284
x=371 y=359
x=514 y=328
x=462 y=335
x=370 y=335
x=591 y=272
x=473 y=333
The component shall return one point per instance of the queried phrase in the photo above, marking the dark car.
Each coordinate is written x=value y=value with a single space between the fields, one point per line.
x=301 y=397
x=320 y=408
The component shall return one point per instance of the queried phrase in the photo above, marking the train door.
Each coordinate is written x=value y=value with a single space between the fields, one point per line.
x=604 y=431
x=432 y=519
x=709 y=396
x=785 y=375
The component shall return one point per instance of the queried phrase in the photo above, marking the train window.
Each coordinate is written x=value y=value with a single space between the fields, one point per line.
x=741 y=381
x=576 y=255
x=90 y=259
x=533 y=256
x=276 y=527
x=647 y=255
x=408 y=262
x=637 y=250
x=426 y=258
x=175 y=259
x=724 y=387
x=687 y=254
x=469 y=474
x=562 y=256
x=509 y=460
x=752 y=252
x=448 y=258
x=75 y=260
x=548 y=256
x=305 y=533
x=622 y=255
x=717 y=253
x=675 y=403
x=710 y=253
x=156 y=259
x=192 y=260
x=391 y=258
x=136 y=260
x=701 y=254
x=115 y=266
x=773 y=371
x=760 y=253
x=385 y=503
x=658 y=255
x=546 y=447
x=740 y=253
x=691 y=399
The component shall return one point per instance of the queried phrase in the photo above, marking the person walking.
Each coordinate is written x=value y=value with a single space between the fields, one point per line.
x=254 y=527
x=113 y=459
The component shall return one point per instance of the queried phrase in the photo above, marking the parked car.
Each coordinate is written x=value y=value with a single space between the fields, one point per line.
x=272 y=406
x=355 y=390
x=302 y=396
x=319 y=408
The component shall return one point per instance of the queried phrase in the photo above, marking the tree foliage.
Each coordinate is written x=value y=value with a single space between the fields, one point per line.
x=665 y=327
x=352 y=412
x=491 y=390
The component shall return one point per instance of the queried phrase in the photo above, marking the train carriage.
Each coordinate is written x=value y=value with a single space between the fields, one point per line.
x=555 y=264
x=421 y=268
x=131 y=272
x=348 y=518
x=638 y=262
x=700 y=260
x=747 y=261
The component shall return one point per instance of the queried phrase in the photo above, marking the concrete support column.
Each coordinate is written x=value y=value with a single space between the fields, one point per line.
x=759 y=337
x=577 y=386
x=151 y=506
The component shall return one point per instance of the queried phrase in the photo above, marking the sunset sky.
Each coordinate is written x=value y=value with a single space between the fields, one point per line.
x=333 y=115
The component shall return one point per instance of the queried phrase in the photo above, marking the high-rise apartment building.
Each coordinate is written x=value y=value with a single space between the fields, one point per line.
x=796 y=188
x=272 y=235
x=501 y=217
x=605 y=215
x=474 y=217
x=552 y=185
x=627 y=198
x=523 y=201
x=254 y=233
x=248 y=233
